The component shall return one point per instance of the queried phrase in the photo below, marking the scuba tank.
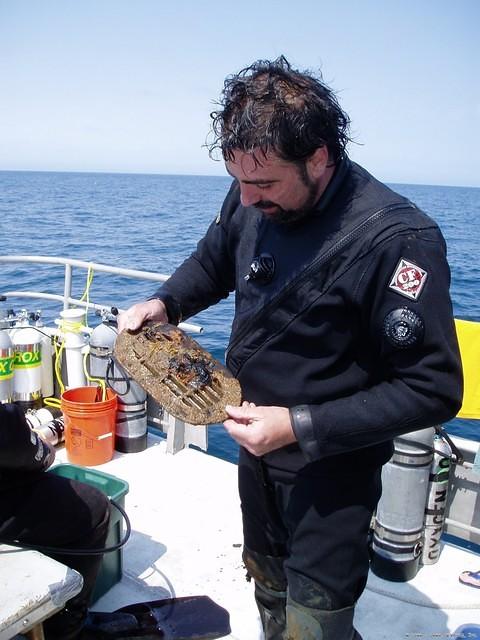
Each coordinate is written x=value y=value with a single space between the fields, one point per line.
x=48 y=423
x=27 y=379
x=131 y=421
x=436 y=499
x=398 y=528
x=71 y=327
x=47 y=357
x=6 y=366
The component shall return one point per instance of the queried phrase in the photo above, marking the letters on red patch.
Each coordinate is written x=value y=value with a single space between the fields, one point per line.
x=408 y=279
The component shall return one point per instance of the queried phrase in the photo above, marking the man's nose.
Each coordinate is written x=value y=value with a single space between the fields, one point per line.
x=249 y=195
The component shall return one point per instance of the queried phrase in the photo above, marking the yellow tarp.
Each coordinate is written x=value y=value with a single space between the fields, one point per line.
x=468 y=334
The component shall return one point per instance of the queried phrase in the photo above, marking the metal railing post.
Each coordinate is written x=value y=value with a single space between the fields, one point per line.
x=67 y=290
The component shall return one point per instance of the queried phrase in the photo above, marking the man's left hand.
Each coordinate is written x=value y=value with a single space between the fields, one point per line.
x=259 y=429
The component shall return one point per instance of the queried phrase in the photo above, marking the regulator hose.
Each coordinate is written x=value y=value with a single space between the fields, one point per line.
x=77 y=552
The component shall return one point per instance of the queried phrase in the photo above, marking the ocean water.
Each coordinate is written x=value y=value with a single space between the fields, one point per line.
x=153 y=222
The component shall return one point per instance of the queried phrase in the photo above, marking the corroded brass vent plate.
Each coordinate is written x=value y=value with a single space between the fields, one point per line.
x=178 y=373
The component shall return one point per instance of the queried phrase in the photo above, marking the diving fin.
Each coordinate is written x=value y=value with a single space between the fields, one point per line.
x=187 y=618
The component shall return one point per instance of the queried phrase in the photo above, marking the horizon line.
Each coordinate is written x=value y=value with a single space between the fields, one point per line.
x=207 y=175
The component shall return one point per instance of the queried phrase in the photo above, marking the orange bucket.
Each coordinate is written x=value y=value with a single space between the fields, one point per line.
x=89 y=425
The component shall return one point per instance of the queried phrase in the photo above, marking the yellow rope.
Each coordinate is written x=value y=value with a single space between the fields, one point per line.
x=86 y=294
x=59 y=346
x=99 y=381
x=52 y=402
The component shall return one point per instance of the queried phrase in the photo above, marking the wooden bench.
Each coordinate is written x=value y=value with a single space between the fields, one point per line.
x=32 y=588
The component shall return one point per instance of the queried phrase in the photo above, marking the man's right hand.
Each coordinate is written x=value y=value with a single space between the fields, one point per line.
x=133 y=318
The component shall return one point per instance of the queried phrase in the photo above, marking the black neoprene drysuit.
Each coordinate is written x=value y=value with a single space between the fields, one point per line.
x=354 y=333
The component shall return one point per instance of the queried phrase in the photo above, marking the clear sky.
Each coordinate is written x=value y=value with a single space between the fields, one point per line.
x=128 y=85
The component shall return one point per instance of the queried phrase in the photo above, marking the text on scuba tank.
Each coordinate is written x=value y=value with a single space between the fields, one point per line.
x=6 y=367
x=24 y=359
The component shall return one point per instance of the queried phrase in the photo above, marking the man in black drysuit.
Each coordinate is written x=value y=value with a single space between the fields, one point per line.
x=45 y=509
x=343 y=338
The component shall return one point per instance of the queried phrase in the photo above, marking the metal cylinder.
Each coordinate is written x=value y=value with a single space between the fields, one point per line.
x=48 y=423
x=27 y=379
x=71 y=326
x=131 y=421
x=47 y=362
x=6 y=367
x=436 y=500
x=398 y=529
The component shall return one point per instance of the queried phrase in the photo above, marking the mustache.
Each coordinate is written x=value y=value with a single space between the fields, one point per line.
x=265 y=204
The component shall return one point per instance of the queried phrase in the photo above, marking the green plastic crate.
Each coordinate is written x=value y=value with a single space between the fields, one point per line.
x=111 y=568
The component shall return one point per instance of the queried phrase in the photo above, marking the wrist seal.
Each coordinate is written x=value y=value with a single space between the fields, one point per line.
x=302 y=425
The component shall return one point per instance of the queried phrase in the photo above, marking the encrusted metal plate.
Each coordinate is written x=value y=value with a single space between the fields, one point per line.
x=178 y=373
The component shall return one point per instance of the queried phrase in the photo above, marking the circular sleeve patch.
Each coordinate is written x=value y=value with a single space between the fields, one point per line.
x=403 y=328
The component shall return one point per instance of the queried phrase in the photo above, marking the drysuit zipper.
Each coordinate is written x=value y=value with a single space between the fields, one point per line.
x=313 y=267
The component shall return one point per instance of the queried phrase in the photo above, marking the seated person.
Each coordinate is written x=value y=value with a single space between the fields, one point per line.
x=45 y=509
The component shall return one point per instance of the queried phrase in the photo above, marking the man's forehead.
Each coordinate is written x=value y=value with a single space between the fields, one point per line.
x=255 y=163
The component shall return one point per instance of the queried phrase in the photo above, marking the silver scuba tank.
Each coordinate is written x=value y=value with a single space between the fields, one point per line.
x=27 y=378
x=7 y=356
x=131 y=421
x=27 y=357
x=48 y=423
x=47 y=357
x=436 y=499
x=398 y=529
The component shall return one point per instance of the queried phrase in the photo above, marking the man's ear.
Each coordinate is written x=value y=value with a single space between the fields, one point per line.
x=318 y=162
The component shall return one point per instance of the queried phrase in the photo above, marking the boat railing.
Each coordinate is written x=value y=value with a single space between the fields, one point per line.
x=463 y=514
x=179 y=434
x=69 y=264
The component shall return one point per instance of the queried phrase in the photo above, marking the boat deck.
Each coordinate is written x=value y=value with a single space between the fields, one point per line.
x=187 y=540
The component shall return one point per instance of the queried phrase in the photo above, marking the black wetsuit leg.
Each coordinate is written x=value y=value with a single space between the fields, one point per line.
x=315 y=522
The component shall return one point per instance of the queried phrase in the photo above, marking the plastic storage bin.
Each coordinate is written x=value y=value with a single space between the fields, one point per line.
x=111 y=568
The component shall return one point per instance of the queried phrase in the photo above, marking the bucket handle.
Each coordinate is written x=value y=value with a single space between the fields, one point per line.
x=109 y=434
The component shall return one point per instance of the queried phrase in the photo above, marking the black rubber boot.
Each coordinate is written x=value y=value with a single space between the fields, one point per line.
x=270 y=591
x=271 y=606
x=305 y=623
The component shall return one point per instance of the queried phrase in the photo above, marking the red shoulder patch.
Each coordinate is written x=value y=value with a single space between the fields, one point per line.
x=408 y=279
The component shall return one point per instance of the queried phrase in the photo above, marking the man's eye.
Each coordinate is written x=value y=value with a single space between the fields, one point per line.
x=265 y=185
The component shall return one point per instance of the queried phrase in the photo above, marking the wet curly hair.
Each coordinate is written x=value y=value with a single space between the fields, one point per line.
x=269 y=106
